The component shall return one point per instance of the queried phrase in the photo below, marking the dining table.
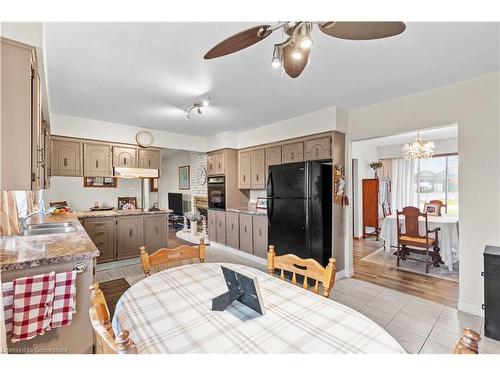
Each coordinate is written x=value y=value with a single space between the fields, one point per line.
x=170 y=312
x=448 y=235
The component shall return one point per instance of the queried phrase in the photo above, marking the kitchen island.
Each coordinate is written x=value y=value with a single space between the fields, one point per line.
x=33 y=255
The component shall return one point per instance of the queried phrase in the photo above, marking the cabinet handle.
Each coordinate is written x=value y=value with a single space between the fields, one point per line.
x=232 y=226
x=316 y=152
x=99 y=224
x=219 y=165
x=124 y=161
x=244 y=178
x=97 y=163
x=99 y=233
x=157 y=230
x=220 y=224
x=245 y=228
x=99 y=244
x=149 y=163
x=260 y=232
x=292 y=156
x=257 y=177
x=65 y=162
x=130 y=232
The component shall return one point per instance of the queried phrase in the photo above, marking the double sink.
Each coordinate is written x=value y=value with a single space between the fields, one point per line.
x=48 y=228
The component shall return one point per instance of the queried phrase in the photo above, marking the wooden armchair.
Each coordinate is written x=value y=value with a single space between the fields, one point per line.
x=412 y=237
x=166 y=257
x=309 y=268
x=468 y=343
x=440 y=203
x=107 y=342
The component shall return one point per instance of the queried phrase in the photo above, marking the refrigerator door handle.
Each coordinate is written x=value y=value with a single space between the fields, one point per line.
x=269 y=210
x=269 y=183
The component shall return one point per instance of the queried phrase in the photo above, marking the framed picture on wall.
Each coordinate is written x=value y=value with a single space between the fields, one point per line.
x=184 y=178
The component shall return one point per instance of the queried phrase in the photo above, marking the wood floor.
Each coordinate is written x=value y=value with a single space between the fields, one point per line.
x=431 y=288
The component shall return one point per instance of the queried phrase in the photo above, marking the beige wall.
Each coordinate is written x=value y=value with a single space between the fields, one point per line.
x=473 y=105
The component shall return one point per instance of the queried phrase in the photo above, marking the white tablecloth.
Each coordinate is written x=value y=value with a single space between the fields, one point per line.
x=169 y=312
x=448 y=235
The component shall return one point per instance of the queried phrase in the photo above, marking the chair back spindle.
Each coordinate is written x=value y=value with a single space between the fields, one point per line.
x=468 y=343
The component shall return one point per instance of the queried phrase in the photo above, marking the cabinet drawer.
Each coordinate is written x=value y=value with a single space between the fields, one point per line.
x=99 y=224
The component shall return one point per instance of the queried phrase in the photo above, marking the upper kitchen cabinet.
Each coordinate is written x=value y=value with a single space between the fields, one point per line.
x=318 y=148
x=244 y=170
x=22 y=150
x=97 y=159
x=124 y=157
x=216 y=163
x=66 y=157
x=149 y=158
x=258 y=167
x=273 y=155
x=292 y=152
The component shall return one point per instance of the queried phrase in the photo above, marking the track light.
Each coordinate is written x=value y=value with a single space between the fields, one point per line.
x=276 y=61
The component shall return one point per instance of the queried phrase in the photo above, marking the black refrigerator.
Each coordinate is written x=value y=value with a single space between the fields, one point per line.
x=299 y=209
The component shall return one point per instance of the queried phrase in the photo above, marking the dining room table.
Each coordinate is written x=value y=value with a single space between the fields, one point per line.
x=170 y=312
x=448 y=235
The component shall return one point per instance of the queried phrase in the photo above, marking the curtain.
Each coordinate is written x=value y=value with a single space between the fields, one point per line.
x=9 y=222
x=401 y=173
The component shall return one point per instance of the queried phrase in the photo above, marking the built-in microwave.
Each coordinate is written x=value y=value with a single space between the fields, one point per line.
x=217 y=192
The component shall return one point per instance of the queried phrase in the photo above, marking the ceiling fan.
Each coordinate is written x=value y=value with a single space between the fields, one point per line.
x=292 y=55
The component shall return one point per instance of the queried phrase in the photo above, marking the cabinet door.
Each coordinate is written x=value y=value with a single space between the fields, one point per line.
x=102 y=232
x=47 y=156
x=260 y=236
x=129 y=236
x=258 y=167
x=220 y=162
x=318 y=148
x=211 y=164
x=124 y=157
x=97 y=160
x=292 y=152
x=149 y=159
x=246 y=244
x=232 y=230
x=221 y=227
x=155 y=232
x=212 y=225
x=66 y=157
x=244 y=170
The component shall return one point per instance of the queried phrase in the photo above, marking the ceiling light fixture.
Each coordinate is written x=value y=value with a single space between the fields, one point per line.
x=196 y=106
x=277 y=55
x=305 y=40
x=297 y=54
x=418 y=149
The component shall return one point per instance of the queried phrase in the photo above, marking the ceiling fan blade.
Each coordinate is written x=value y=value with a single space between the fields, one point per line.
x=239 y=41
x=292 y=66
x=362 y=30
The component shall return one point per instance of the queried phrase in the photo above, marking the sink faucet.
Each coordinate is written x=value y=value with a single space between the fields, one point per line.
x=24 y=219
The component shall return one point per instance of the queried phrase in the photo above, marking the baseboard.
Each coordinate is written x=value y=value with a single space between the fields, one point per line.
x=471 y=308
x=240 y=253
x=117 y=264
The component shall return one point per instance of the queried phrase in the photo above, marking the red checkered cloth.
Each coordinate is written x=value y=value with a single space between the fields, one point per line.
x=64 y=303
x=8 y=299
x=32 y=307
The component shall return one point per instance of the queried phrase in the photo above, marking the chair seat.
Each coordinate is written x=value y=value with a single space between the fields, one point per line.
x=417 y=241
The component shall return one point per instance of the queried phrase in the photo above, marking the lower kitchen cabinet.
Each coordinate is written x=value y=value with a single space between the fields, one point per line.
x=260 y=236
x=246 y=243
x=221 y=227
x=129 y=236
x=102 y=233
x=155 y=232
x=232 y=229
x=212 y=225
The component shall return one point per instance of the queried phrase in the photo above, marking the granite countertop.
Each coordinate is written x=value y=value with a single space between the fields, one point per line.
x=245 y=210
x=17 y=252
x=114 y=213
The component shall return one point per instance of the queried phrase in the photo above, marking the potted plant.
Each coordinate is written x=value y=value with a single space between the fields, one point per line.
x=193 y=216
x=376 y=165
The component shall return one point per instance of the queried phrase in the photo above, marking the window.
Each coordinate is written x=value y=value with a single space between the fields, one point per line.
x=437 y=178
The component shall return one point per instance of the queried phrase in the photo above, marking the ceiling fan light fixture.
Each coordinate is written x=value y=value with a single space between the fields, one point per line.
x=297 y=54
x=305 y=41
x=276 y=61
x=205 y=102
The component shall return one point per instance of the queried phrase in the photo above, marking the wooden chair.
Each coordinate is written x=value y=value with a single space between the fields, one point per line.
x=440 y=203
x=58 y=204
x=309 y=268
x=107 y=342
x=469 y=343
x=166 y=257
x=412 y=237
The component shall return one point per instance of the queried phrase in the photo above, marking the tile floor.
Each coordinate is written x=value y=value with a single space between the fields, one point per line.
x=419 y=325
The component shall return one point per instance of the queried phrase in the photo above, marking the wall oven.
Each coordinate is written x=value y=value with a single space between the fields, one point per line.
x=217 y=192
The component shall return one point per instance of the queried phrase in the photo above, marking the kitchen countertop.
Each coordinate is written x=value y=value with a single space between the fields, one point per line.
x=245 y=210
x=114 y=213
x=18 y=252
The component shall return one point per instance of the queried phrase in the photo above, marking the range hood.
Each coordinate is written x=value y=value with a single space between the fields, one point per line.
x=135 y=172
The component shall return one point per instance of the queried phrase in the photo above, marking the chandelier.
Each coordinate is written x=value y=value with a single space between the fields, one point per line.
x=418 y=149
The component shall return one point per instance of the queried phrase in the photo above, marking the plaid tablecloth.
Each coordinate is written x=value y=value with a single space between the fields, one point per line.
x=169 y=312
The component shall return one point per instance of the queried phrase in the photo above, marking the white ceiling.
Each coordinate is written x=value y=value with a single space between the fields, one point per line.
x=145 y=74
x=446 y=132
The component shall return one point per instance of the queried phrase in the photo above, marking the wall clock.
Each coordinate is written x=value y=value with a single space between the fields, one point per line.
x=144 y=138
x=201 y=176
